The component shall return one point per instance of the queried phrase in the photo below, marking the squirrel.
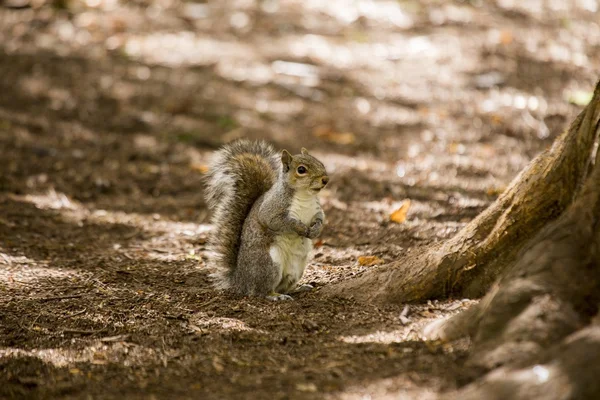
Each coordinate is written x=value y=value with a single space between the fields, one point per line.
x=266 y=210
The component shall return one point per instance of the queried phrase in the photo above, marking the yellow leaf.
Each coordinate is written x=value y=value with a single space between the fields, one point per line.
x=399 y=216
x=506 y=37
x=495 y=191
x=496 y=119
x=329 y=135
x=367 y=261
x=199 y=167
x=341 y=137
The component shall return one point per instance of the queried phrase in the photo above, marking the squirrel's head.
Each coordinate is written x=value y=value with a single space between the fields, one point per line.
x=303 y=171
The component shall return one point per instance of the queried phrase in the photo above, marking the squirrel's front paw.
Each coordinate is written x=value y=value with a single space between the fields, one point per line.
x=279 y=297
x=315 y=229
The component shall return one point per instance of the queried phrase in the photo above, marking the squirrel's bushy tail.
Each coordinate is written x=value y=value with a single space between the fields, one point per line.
x=238 y=175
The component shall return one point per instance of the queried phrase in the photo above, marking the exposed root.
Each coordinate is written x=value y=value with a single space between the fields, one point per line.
x=469 y=263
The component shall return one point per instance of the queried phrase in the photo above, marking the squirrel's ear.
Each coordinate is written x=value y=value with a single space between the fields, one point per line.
x=286 y=160
x=304 y=151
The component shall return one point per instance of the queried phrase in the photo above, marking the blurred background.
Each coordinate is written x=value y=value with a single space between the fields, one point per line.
x=110 y=110
x=108 y=101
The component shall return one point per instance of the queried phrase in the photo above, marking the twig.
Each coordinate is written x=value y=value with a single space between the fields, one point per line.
x=117 y=338
x=208 y=302
x=71 y=296
x=404 y=316
x=6 y=259
x=405 y=311
x=76 y=313
x=158 y=250
x=22 y=282
x=82 y=332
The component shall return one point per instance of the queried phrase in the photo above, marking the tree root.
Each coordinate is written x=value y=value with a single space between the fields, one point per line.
x=469 y=263
x=538 y=330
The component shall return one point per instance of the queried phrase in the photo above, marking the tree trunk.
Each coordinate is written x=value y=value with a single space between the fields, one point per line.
x=538 y=330
x=469 y=263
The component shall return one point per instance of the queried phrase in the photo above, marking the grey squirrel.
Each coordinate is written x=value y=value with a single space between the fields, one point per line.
x=265 y=210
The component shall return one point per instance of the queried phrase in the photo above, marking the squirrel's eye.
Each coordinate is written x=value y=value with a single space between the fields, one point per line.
x=301 y=170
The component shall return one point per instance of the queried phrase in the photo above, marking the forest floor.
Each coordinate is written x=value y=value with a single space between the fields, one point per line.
x=109 y=111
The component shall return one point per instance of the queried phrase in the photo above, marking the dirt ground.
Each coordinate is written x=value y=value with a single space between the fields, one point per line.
x=109 y=111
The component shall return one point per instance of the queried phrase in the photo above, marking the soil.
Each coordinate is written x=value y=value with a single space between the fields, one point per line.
x=109 y=112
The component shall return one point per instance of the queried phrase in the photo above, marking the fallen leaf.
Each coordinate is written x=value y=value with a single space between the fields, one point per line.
x=453 y=148
x=367 y=261
x=496 y=119
x=495 y=191
x=399 y=216
x=199 y=167
x=329 y=135
x=506 y=37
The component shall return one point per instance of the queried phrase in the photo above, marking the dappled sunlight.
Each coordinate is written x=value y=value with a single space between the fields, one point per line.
x=78 y=213
x=388 y=389
x=17 y=271
x=386 y=12
x=338 y=163
x=203 y=323
x=397 y=336
x=151 y=223
x=421 y=111
x=184 y=48
x=542 y=8
x=110 y=350
x=51 y=200
x=410 y=322
x=171 y=240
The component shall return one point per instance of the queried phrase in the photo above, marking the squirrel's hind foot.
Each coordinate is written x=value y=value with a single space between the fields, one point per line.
x=279 y=297
x=303 y=288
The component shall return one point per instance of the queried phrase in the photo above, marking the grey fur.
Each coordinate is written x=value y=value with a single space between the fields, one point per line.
x=250 y=192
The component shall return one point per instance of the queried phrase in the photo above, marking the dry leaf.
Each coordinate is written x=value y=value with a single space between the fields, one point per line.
x=199 y=167
x=329 y=135
x=399 y=216
x=367 y=261
x=506 y=37
x=495 y=191
x=496 y=119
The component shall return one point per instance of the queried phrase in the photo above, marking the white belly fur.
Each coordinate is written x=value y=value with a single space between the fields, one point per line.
x=290 y=251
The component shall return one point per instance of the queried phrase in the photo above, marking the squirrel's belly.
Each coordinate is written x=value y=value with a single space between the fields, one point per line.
x=291 y=253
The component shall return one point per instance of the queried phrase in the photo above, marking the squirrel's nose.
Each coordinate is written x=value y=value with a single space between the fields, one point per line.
x=325 y=179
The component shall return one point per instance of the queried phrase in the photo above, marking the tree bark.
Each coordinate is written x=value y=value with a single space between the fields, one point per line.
x=538 y=330
x=469 y=263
